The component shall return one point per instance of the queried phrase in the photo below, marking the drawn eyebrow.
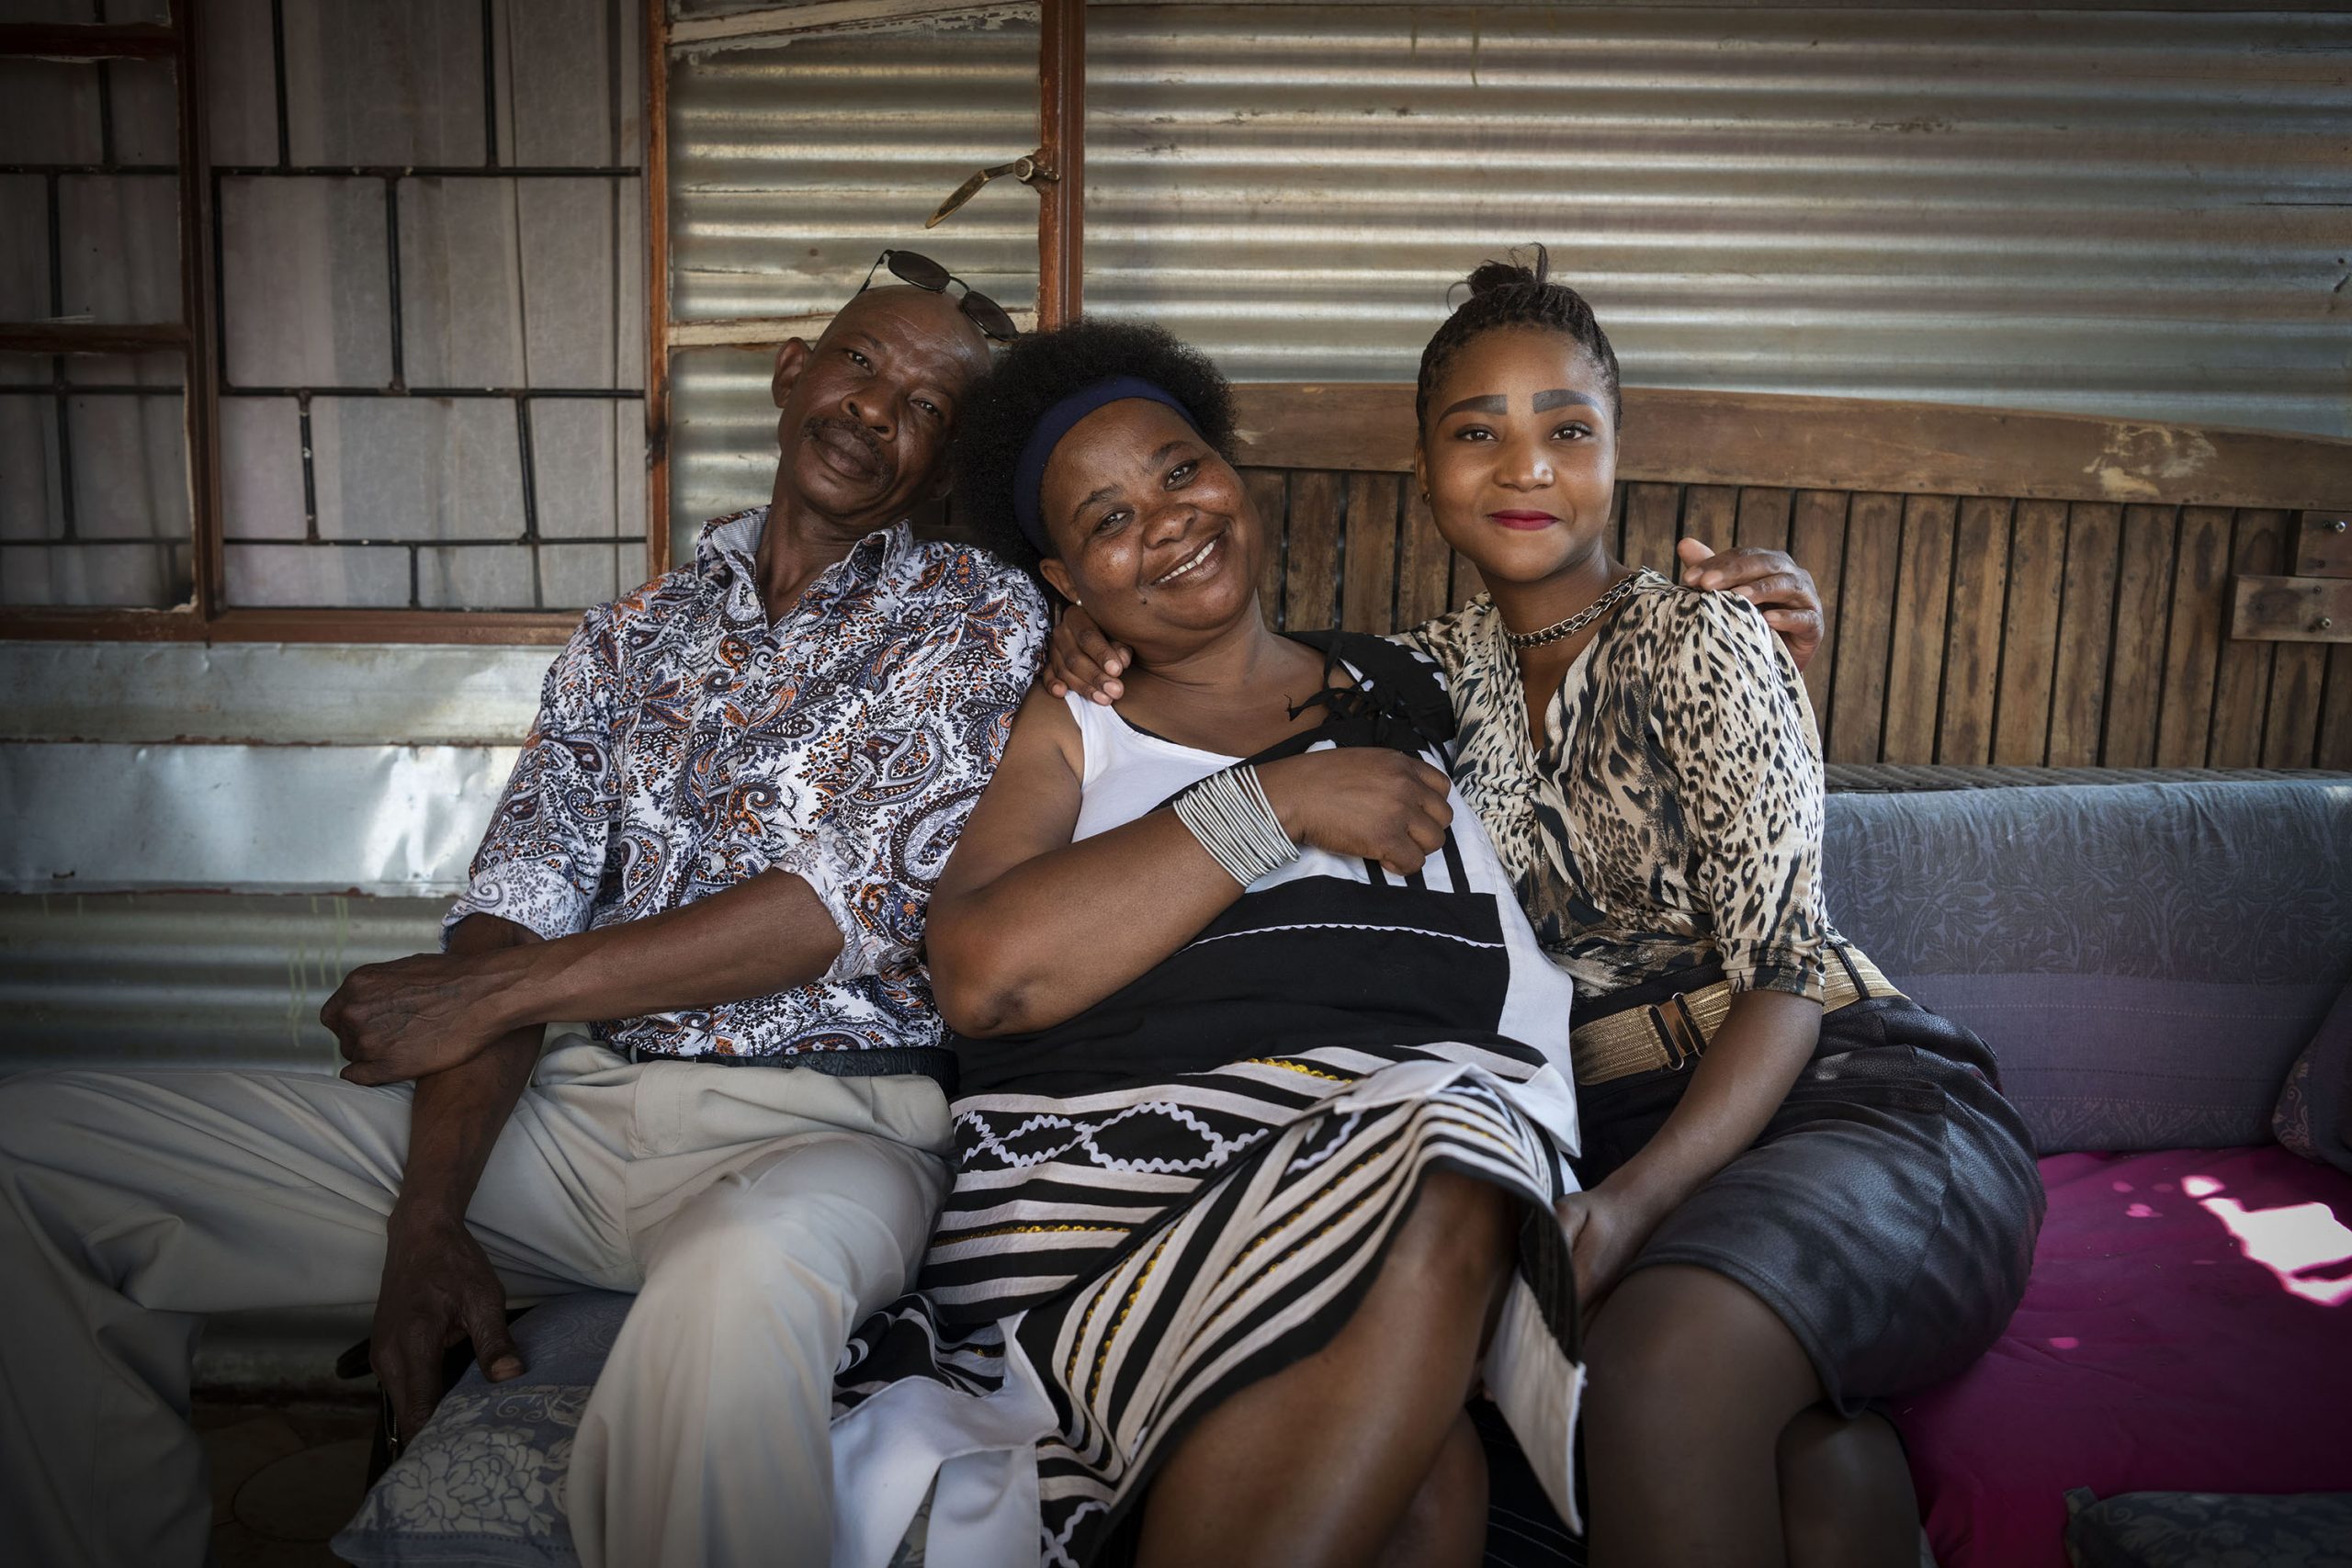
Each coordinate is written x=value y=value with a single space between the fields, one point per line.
x=1152 y=462
x=1491 y=404
x=1560 y=396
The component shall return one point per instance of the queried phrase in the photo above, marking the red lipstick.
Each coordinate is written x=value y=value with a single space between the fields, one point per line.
x=1528 y=520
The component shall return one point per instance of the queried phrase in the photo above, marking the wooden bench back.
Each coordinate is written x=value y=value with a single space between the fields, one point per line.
x=2002 y=587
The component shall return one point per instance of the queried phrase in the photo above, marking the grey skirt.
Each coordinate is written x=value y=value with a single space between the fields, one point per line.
x=1887 y=1212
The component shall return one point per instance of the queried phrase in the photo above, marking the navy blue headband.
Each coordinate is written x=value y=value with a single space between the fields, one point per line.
x=1029 y=474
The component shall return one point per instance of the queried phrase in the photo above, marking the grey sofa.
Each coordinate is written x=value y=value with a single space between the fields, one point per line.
x=2147 y=959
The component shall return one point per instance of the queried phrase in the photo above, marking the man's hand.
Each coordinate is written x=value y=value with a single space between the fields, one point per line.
x=1079 y=658
x=1767 y=579
x=438 y=1288
x=399 y=1021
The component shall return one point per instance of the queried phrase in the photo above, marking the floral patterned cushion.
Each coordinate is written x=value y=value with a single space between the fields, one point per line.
x=2314 y=1112
x=483 y=1482
x=2206 y=1530
x=482 y=1486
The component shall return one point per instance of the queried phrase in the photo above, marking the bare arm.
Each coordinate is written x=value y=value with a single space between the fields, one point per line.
x=1764 y=1042
x=1028 y=928
x=438 y=1286
x=415 y=1016
x=1749 y=775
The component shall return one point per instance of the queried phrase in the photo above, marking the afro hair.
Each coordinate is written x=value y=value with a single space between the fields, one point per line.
x=1041 y=369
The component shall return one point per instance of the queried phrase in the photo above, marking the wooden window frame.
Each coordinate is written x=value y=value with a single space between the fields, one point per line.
x=195 y=337
x=174 y=43
x=208 y=617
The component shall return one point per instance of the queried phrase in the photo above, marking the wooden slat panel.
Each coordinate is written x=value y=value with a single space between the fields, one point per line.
x=2325 y=545
x=2335 y=713
x=1710 y=514
x=2291 y=729
x=2292 y=609
x=2193 y=647
x=1268 y=491
x=1368 y=592
x=1311 y=557
x=1651 y=512
x=2143 y=608
x=2030 y=633
x=1980 y=586
x=1866 y=613
x=1424 y=566
x=1856 y=444
x=2085 y=623
x=1763 y=520
x=1922 y=594
x=1817 y=539
x=2242 y=685
x=83 y=41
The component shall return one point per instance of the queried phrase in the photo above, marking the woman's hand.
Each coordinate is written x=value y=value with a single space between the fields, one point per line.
x=1605 y=1230
x=1363 y=802
x=1080 y=659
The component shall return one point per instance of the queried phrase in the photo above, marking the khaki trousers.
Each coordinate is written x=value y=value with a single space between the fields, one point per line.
x=759 y=1213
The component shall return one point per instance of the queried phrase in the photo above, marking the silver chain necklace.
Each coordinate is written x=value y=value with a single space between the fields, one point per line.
x=1579 y=621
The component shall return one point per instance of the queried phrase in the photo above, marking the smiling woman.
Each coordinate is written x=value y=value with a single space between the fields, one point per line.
x=1262 y=1071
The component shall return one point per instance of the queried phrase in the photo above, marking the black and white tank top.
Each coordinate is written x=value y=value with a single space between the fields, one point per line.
x=1456 y=924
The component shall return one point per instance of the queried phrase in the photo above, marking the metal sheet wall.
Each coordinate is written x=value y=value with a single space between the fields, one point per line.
x=792 y=165
x=213 y=980
x=2125 y=212
x=382 y=820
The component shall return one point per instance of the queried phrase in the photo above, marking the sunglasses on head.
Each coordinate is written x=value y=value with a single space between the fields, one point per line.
x=983 y=312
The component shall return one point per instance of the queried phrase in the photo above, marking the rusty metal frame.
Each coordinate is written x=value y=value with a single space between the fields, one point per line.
x=175 y=44
x=657 y=287
x=1061 y=123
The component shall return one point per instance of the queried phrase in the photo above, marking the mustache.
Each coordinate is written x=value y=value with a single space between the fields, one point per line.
x=850 y=427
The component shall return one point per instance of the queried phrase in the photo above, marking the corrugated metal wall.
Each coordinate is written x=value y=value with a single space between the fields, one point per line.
x=792 y=166
x=2100 y=211
x=2127 y=212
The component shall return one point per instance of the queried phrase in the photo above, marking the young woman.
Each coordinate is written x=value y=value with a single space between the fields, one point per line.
x=1264 y=1099
x=1802 y=1191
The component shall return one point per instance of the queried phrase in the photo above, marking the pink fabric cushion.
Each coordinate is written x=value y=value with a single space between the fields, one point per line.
x=2188 y=1328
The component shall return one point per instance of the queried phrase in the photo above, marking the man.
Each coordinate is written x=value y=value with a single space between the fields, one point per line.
x=743 y=780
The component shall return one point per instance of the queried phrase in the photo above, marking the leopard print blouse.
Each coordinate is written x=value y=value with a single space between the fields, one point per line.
x=1674 y=815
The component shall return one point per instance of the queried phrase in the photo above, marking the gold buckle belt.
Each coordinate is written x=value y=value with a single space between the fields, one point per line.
x=1675 y=1032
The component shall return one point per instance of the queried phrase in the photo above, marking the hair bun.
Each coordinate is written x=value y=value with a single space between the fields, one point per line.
x=1494 y=275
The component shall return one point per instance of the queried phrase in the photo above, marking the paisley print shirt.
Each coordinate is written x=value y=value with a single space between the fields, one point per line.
x=1673 y=815
x=685 y=744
